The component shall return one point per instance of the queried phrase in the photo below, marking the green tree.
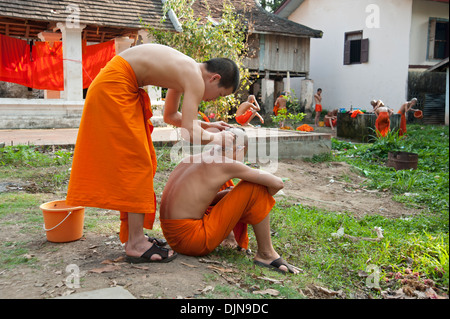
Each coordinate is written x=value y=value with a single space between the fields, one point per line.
x=205 y=38
x=270 y=5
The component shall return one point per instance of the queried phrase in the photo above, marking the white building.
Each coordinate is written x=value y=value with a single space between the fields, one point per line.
x=368 y=46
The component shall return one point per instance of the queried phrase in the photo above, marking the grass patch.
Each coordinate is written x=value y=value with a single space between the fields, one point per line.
x=417 y=244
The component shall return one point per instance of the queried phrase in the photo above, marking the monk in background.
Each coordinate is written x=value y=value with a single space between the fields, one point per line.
x=318 y=108
x=405 y=108
x=196 y=218
x=330 y=119
x=383 y=122
x=280 y=103
x=114 y=161
x=247 y=111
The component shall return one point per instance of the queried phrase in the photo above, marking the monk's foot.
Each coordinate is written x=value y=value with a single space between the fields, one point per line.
x=138 y=248
x=275 y=262
x=230 y=241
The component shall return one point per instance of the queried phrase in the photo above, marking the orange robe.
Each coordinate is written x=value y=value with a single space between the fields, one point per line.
x=243 y=118
x=114 y=160
x=402 y=130
x=247 y=203
x=382 y=124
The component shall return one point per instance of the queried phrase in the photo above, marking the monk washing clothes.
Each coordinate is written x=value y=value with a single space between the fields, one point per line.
x=318 y=108
x=383 y=122
x=404 y=109
x=114 y=160
x=247 y=111
x=195 y=222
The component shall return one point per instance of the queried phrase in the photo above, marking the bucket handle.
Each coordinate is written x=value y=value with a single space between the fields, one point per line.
x=43 y=226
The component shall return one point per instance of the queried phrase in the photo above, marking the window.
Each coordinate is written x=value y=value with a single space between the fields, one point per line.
x=356 y=49
x=437 y=39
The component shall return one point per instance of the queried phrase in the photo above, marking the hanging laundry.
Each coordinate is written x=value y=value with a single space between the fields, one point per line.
x=41 y=66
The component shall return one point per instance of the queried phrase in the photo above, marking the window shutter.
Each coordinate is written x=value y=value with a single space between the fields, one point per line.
x=347 y=52
x=364 y=50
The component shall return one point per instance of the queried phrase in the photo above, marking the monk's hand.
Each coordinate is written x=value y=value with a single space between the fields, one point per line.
x=221 y=125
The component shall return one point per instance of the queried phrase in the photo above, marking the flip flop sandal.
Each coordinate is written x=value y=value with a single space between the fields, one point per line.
x=158 y=241
x=154 y=250
x=275 y=265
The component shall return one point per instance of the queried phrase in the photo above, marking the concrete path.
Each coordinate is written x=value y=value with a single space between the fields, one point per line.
x=280 y=144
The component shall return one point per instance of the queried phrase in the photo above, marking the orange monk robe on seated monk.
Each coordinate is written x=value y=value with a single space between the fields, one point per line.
x=247 y=111
x=192 y=226
x=114 y=160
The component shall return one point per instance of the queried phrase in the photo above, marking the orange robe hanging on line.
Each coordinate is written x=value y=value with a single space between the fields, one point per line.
x=247 y=203
x=382 y=124
x=402 y=130
x=114 y=160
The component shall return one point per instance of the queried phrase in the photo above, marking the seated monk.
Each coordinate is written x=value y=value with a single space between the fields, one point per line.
x=331 y=119
x=405 y=108
x=195 y=223
x=382 y=123
x=247 y=111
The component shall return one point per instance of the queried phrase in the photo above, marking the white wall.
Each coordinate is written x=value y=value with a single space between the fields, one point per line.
x=384 y=76
x=422 y=11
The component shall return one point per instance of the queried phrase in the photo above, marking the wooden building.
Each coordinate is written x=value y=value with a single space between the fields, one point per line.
x=278 y=49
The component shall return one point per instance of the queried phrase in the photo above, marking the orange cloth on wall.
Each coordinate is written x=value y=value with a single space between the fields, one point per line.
x=40 y=66
x=48 y=67
x=382 y=124
x=305 y=128
x=114 y=160
x=402 y=130
x=247 y=203
x=15 y=61
x=95 y=58
x=242 y=119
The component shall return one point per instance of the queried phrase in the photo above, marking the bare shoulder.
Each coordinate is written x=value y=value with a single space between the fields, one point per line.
x=160 y=65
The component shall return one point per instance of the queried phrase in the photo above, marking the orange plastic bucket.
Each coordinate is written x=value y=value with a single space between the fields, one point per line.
x=418 y=114
x=62 y=223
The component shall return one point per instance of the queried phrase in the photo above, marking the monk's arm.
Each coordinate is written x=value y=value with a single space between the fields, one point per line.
x=172 y=102
x=242 y=171
x=192 y=128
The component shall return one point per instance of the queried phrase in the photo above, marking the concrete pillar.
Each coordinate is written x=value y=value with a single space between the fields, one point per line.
x=122 y=43
x=267 y=93
x=307 y=95
x=72 y=55
x=50 y=37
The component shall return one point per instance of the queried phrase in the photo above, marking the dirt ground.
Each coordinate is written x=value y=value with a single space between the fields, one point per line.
x=99 y=257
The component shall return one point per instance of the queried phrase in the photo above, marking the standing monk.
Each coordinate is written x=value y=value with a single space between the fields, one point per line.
x=114 y=160
x=383 y=122
x=318 y=109
x=408 y=106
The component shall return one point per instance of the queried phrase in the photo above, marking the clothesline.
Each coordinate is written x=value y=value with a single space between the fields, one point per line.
x=40 y=66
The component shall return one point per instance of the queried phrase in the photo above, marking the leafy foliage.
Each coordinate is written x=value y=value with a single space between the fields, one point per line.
x=205 y=39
